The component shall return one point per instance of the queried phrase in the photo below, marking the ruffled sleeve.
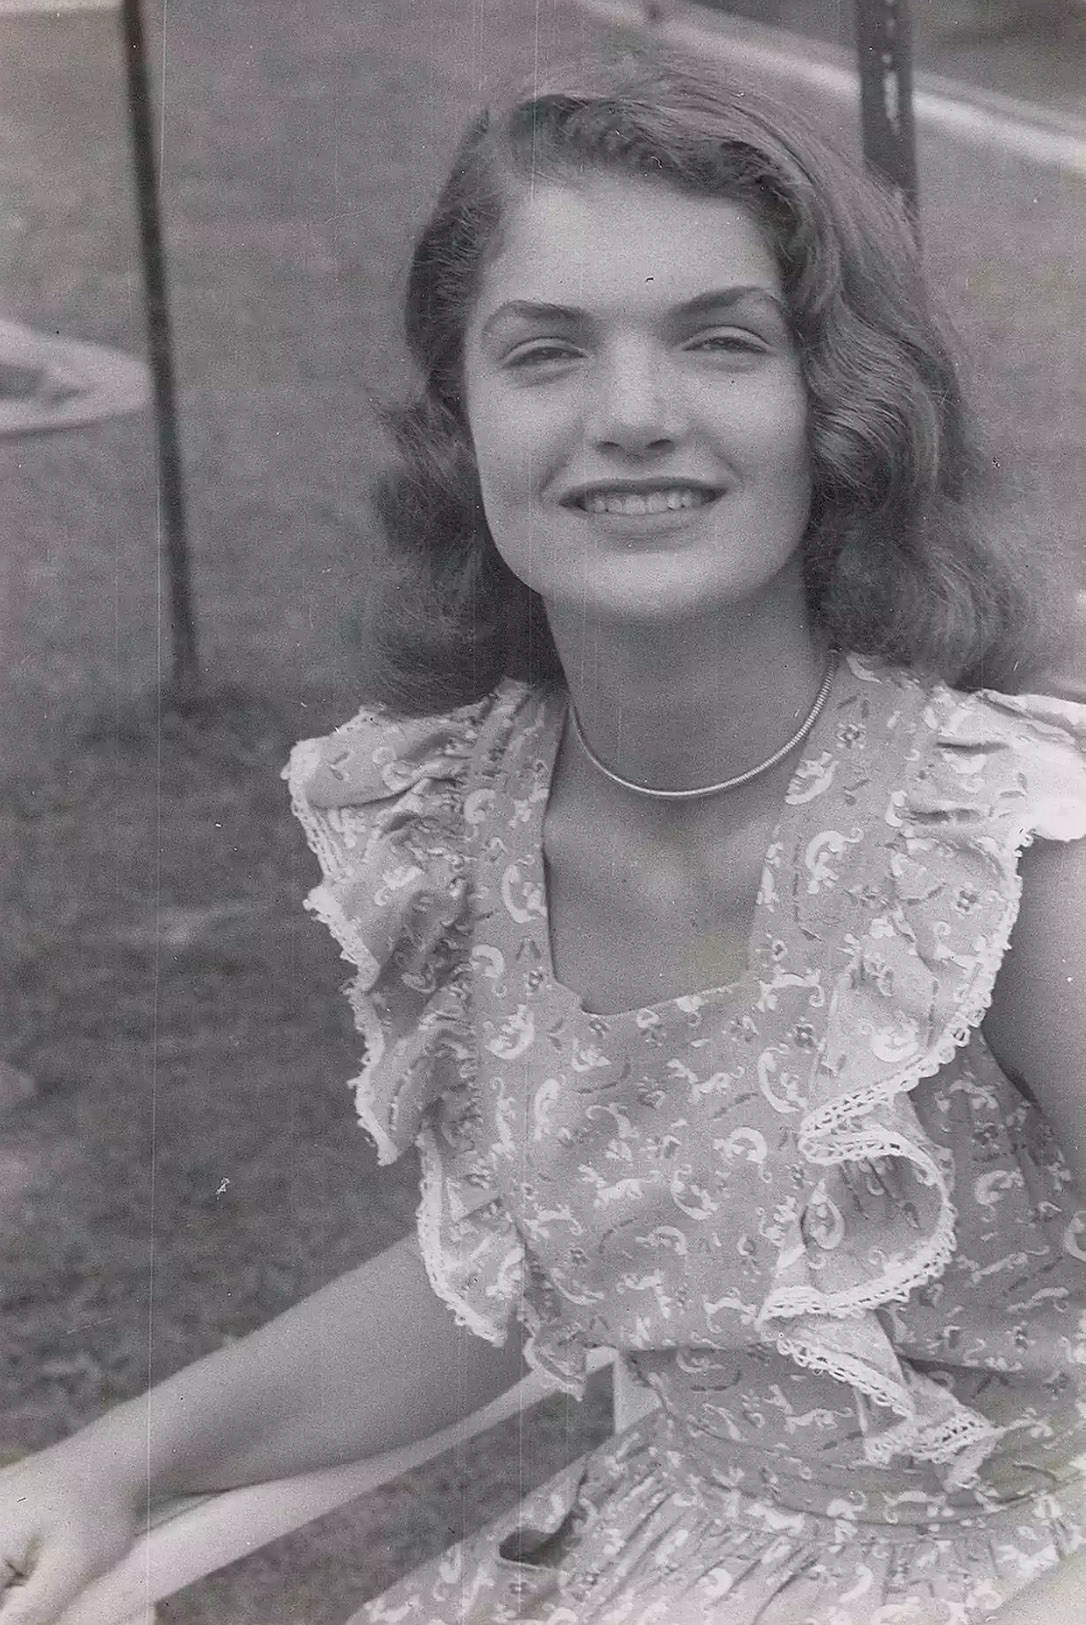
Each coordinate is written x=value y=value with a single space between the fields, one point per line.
x=934 y=897
x=382 y=803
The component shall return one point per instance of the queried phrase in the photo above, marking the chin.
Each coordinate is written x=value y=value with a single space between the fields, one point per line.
x=655 y=591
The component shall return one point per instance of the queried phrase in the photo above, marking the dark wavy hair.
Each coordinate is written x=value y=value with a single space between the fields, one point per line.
x=898 y=561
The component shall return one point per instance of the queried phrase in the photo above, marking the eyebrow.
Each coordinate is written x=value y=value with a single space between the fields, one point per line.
x=702 y=304
x=724 y=298
x=530 y=311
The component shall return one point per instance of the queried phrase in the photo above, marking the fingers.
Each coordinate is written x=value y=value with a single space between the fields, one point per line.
x=41 y=1596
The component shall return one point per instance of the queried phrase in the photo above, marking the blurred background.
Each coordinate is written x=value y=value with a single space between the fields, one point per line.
x=177 y=1152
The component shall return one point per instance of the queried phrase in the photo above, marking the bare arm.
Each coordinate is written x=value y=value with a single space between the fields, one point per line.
x=1037 y=1030
x=1037 y=1024
x=371 y=1362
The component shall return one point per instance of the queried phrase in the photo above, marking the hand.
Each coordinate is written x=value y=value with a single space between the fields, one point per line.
x=61 y=1526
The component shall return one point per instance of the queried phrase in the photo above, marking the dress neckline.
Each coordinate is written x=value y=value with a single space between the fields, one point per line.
x=554 y=707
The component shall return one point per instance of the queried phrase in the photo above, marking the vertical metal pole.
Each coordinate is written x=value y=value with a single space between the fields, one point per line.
x=160 y=343
x=884 y=38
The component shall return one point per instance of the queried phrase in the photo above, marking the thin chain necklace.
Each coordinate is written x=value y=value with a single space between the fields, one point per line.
x=699 y=792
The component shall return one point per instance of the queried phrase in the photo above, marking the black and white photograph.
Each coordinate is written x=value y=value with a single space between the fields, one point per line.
x=543 y=783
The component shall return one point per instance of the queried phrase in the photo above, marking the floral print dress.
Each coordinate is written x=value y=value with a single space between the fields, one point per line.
x=809 y=1210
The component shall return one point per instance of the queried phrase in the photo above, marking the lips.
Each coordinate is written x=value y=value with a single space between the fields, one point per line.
x=633 y=500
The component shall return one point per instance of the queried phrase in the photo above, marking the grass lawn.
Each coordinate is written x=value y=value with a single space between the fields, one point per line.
x=188 y=1165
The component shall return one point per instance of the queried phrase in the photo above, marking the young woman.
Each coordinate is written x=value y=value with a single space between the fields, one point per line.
x=679 y=863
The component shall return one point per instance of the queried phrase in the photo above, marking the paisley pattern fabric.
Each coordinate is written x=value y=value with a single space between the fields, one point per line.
x=808 y=1209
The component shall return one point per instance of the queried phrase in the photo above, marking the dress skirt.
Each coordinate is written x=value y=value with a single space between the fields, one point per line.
x=628 y=1535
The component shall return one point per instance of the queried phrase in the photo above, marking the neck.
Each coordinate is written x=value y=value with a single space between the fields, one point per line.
x=692 y=702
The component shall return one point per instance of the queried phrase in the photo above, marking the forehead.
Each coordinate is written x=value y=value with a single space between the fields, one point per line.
x=612 y=241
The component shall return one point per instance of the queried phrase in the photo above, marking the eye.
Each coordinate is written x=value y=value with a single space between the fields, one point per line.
x=541 y=354
x=731 y=341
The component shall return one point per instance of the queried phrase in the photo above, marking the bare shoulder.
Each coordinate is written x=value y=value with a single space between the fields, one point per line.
x=1037 y=1022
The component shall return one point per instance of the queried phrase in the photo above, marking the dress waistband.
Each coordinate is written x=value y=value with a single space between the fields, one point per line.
x=737 y=1480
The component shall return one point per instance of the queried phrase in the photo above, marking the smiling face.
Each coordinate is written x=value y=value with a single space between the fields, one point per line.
x=636 y=403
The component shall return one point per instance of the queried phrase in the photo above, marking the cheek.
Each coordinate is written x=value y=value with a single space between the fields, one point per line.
x=511 y=454
x=503 y=473
x=504 y=489
x=786 y=439
x=797 y=456
x=763 y=422
x=492 y=473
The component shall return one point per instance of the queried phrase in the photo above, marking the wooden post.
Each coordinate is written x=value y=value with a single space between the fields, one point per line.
x=160 y=344
x=884 y=39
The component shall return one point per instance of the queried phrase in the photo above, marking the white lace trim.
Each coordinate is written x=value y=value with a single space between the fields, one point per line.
x=890 y=1395
x=304 y=758
x=926 y=1264
x=960 y=1441
x=943 y=1445
x=841 y=1131
x=323 y=902
x=325 y=906
x=430 y=1214
x=387 y=1149
x=837 y=1133
x=534 y=1325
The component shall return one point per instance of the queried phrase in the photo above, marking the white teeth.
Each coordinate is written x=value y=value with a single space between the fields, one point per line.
x=637 y=502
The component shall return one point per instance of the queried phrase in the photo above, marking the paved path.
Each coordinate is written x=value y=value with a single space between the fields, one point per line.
x=48 y=383
x=1018 y=48
x=1043 y=131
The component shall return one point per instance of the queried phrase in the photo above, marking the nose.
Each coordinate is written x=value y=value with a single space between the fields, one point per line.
x=637 y=404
